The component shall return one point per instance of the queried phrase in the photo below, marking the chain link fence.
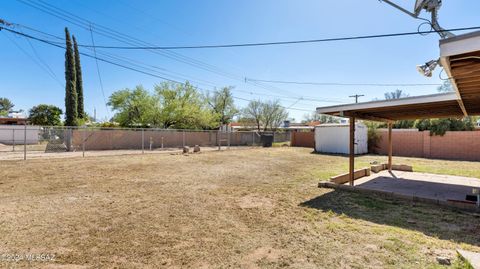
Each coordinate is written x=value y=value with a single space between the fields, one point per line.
x=22 y=142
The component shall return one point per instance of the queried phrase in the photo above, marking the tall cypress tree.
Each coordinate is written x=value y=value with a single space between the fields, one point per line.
x=71 y=112
x=79 y=82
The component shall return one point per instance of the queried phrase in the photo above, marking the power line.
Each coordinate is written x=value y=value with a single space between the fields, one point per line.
x=60 y=13
x=347 y=38
x=288 y=108
x=124 y=66
x=149 y=72
x=46 y=68
x=98 y=72
x=113 y=34
x=346 y=84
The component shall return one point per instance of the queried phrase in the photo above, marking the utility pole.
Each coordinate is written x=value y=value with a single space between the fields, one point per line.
x=356 y=97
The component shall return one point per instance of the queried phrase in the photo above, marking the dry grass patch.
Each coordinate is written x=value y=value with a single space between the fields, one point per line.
x=257 y=208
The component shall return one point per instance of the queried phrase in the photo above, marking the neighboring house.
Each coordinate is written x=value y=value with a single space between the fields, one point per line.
x=13 y=121
x=298 y=127
x=12 y=131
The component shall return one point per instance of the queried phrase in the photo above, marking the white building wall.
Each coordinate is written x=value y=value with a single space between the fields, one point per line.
x=334 y=138
x=10 y=134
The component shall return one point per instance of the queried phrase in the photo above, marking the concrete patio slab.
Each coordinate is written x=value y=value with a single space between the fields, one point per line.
x=472 y=257
x=429 y=186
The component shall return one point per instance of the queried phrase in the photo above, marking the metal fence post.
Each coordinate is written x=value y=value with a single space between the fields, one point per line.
x=183 y=133
x=219 y=142
x=83 y=142
x=143 y=140
x=253 y=138
x=228 y=139
x=13 y=137
x=25 y=143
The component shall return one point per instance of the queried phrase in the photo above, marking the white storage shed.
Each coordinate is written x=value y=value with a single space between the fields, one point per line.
x=334 y=138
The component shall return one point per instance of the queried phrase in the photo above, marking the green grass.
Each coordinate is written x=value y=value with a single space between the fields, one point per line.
x=281 y=144
x=332 y=165
x=250 y=208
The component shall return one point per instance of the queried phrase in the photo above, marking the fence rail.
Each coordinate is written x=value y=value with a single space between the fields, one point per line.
x=20 y=141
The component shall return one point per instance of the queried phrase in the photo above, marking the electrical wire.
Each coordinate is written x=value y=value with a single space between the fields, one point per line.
x=113 y=34
x=149 y=67
x=113 y=59
x=127 y=67
x=418 y=32
x=98 y=73
x=47 y=70
x=345 y=84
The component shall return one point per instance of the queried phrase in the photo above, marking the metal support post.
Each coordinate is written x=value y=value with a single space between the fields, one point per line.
x=218 y=140
x=228 y=139
x=25 y=143
x=183 y=138
x=13 y=136
x=84 y=137
x=143 y=141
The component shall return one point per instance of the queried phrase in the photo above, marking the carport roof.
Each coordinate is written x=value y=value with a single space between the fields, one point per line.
x=426 y=106
x=460 y=58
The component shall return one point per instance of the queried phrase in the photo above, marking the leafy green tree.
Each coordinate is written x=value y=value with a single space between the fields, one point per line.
x=441 y=126
x=223 y=105
x=79 y=81
x=265 y=115
x=182 y=107
x=403 y=124
x=5 y=106
x=71 y=112
x=273 y=114
x=423 y=124
x=253 y=113
x=373 y=136
x=46 y=115
x=135 y=107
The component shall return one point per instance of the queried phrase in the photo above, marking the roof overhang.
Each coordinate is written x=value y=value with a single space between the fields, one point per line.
x=460 y=58
x=418 y=107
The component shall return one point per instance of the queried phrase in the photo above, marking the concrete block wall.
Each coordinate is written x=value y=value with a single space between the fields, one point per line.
x=302 y=139
x=453 y=145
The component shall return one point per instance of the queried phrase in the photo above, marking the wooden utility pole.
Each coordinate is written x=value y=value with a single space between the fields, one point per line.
x=356 y=97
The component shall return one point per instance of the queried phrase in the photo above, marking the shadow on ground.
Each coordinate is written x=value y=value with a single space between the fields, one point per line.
x=435 y=221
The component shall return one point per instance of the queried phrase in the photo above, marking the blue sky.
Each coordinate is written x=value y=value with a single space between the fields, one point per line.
x=175 y=22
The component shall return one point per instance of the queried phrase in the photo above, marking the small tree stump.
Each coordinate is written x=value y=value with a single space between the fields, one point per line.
x=196 y=148
x=186 y=149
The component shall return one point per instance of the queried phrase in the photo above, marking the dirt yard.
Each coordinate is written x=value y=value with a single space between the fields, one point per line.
x=257 y=208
